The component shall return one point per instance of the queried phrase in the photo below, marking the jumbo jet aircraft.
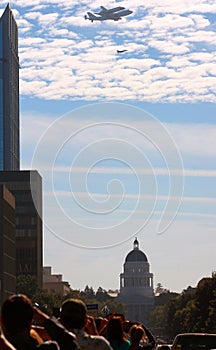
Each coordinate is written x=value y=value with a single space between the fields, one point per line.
x=114 y=14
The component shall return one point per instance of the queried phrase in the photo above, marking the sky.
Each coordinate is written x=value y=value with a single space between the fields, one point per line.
x=125 y=142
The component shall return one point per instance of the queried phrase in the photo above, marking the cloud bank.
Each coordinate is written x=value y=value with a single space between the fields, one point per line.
x=170 y=51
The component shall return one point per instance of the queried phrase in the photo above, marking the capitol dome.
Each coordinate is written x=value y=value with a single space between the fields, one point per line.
x=136 y=286
x=136 y=254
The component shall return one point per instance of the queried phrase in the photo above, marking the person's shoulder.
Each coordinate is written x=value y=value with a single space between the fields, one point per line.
x=145 y=346
x=48 y=345
x=100 y=342
x=125 y=344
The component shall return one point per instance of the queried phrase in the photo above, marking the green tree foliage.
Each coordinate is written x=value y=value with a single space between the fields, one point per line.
x=164 y=297
x=88 y=292
x=102 y=295
x=47 y=301
x=194 y=310
x=27 y=284
x=156 y=320
x=206 y=303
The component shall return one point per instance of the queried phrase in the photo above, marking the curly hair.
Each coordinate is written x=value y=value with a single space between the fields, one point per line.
x=136 y=333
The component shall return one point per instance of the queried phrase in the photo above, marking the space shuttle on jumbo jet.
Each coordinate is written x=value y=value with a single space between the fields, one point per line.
x=104 y=14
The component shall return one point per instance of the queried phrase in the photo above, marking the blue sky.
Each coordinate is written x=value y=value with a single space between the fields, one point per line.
x=125 y=143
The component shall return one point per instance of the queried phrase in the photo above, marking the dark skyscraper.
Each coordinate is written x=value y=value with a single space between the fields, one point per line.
x=7 y=244
x=24 y=186
x=9 y=93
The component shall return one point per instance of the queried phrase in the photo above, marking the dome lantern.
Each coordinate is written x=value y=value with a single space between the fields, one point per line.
x=136 y=244
x=136 y=254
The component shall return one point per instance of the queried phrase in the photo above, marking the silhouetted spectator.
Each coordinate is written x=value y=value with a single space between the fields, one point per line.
x=4 y=343
x=17 y=316
x=73 y=316
x=116 y=335
x=141 y=338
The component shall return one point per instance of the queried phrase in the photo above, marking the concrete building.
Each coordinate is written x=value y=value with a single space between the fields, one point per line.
x=7 y=244
x=26 y=187
x=9 y=93
x=54 y=283
x=136 y=286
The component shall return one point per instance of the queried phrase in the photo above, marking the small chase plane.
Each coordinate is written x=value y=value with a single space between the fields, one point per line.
x=114 y=14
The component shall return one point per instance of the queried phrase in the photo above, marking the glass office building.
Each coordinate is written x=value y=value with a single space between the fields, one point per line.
x=26 y=187
x=7 y=244
x=9 y=93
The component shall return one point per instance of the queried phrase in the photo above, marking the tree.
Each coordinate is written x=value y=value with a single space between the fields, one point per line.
x=47 y=301
x=205 y=303
x=88 y=292
x=27 y=284
x=102 y=295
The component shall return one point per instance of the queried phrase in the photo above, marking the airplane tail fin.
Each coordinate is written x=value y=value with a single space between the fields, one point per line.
x=91 y=16
x=103 y=8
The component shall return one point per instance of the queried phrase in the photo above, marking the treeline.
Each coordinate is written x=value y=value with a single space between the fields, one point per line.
x=194 y=310
x=27 y=285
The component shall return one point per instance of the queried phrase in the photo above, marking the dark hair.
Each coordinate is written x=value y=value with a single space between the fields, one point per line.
x=73 y=314
x=115 y=330
x=98 y=322
x=56 y=311
x=17 y=313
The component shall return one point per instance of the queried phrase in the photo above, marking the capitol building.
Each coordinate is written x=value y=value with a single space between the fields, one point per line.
x=136 y=286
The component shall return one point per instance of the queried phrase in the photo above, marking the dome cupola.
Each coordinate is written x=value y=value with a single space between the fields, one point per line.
x=136 y=254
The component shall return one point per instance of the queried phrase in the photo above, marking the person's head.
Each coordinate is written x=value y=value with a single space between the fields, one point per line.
x=115 y=329
x=73 y=314
x=17 y=314
x=164 y=347
x=127 y=325
x=136 y=333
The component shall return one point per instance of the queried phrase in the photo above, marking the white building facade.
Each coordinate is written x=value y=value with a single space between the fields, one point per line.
x=136 y=286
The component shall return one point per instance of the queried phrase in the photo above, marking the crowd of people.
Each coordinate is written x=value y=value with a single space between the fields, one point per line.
x=25 y=327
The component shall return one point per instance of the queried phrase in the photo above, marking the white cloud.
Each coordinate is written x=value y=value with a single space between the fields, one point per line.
x=164 y=59
x=48 y=19
x=33 y=15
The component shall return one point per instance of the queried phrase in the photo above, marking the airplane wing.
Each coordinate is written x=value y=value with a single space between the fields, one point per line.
x=118 y=15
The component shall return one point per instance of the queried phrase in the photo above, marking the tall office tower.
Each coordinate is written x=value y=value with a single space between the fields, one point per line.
x=7 y=244
x=26 y=187
x=9 y=93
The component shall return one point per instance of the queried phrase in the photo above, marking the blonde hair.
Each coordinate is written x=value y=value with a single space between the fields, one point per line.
x=36 y=336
